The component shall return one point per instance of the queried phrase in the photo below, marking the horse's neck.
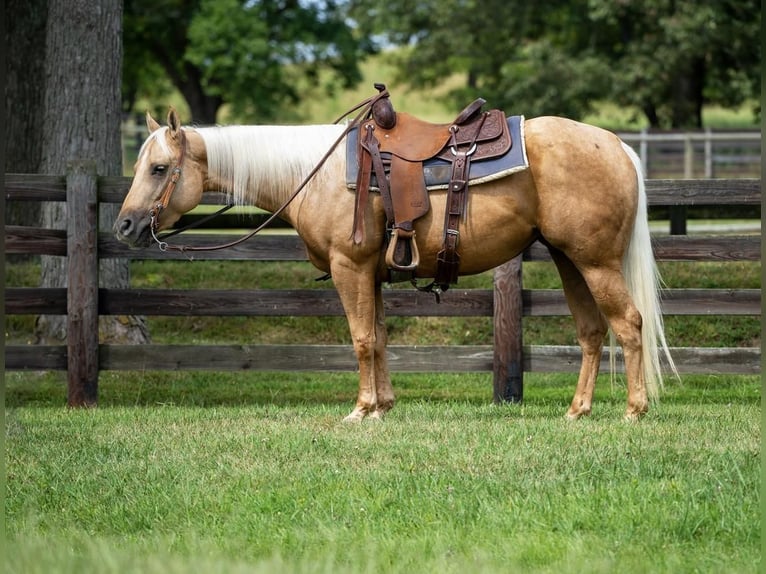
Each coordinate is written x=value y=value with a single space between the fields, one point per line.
x=264 y=165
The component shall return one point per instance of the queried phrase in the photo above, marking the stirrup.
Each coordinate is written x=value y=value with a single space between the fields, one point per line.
x=391 y=251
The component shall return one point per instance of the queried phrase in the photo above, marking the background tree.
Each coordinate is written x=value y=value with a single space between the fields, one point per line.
x=509 y=51
x=671 y=57
x=257 y=56
x=25 y=22
x=665 y=57
x=81 y=121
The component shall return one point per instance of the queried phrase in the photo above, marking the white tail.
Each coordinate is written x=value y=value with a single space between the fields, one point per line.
x=644 y=283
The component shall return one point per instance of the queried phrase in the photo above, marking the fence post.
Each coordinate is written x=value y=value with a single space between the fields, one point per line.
x=508 y=367
x=82 y=284
x=678 y=212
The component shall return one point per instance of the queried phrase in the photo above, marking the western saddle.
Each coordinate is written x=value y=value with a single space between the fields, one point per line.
x=393 y=145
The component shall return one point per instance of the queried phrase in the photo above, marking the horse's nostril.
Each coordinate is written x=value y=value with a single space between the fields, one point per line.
x=125 y=226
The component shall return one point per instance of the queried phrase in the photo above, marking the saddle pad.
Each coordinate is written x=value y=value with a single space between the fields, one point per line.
x=437 y=171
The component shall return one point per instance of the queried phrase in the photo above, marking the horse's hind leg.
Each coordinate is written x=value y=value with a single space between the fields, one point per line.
x=611 y=294
x=591 y=330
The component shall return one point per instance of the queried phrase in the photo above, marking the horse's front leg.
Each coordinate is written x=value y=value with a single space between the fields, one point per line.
x=356 y=287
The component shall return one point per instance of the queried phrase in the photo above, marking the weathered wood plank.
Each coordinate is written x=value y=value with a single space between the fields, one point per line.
x=228 y=357
x=551 y=302
x=262 y=247
x=35 y=358
x=686 y=248
x=35 y=300
x=660 y=192
x=711 y=302
x=688 y=360
x=324 y=302
x=287 y=302
x=718 y=248
x=463 y=358
x=35 y=241
x=34 y=187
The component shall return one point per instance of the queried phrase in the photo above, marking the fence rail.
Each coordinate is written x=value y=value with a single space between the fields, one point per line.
x=704 y=154
x=83 y=357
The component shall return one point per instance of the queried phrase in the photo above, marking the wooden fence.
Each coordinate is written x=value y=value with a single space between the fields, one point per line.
x=697 y=154
x=83 y=357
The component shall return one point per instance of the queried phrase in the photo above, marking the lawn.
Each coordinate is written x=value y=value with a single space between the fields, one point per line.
x=254 y=472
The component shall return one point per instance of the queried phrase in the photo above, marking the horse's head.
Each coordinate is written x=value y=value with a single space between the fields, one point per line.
x=168 y=182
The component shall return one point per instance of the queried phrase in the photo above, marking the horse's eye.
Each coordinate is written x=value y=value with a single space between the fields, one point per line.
x=159 y=170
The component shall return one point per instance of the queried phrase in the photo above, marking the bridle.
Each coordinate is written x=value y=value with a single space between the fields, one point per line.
x=170 y=186
x=176 y=172
x=175 y=175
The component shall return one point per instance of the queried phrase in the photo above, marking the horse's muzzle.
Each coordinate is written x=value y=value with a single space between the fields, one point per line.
x=133 y=230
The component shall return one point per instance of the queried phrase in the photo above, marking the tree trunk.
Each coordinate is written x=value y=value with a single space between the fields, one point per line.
x=203 y=107
x=24 y=98
x=688 y=86
x=82 y=122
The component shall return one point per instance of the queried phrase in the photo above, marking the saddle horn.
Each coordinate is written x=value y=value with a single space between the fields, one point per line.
x=383 y=110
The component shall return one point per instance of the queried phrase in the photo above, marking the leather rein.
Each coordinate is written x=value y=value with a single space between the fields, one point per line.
x=365 y=108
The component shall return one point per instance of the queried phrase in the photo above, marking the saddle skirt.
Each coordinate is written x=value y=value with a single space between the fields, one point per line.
x=437 y=171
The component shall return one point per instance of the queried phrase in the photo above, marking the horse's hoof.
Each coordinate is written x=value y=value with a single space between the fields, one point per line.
x=635 y=413
x=634 y=417
x=576 y=415
x=356 y=416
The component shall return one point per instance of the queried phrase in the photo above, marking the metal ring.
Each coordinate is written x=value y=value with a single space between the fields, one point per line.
x=469 y=152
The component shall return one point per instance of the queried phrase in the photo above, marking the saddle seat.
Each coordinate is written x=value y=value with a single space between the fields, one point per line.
x=405 y=142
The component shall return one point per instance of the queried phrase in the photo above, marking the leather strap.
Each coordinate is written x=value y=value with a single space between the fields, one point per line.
x=175 y=175
x=370 y=144
x=448 y=259
x=362 y=190
x=469 y=111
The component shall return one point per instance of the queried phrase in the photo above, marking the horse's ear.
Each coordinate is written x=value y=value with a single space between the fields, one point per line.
x=151 y=123
x=174 y=123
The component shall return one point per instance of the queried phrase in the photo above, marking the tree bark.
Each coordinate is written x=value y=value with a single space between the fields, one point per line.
x=81 y=121
x=24 y=98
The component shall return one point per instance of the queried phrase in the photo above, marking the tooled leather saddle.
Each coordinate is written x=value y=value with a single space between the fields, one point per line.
x=392 y=148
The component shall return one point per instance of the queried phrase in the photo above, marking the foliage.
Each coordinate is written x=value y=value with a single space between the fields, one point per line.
x=250 y=54
x=558 y=57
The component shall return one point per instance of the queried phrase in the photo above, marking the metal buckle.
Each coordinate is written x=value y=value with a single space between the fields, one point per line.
x=471 y=151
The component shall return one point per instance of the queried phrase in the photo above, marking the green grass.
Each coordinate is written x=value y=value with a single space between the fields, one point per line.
x=254 y=472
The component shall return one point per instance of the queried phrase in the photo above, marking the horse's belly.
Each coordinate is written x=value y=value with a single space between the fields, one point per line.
x=496 y=227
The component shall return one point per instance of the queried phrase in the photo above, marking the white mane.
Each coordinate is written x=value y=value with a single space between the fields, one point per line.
x=272 y=159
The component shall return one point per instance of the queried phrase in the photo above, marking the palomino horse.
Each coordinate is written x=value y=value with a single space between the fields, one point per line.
x=582 y=196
